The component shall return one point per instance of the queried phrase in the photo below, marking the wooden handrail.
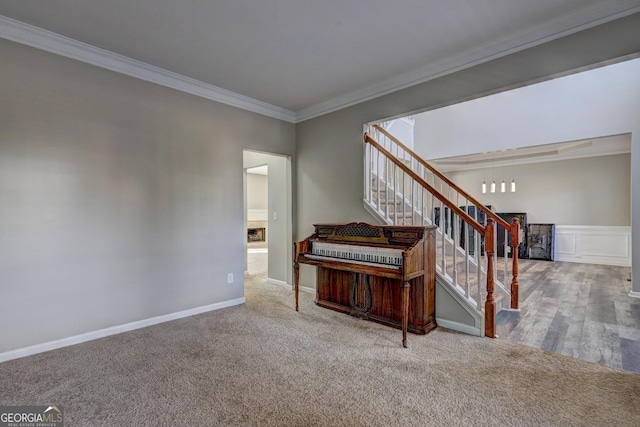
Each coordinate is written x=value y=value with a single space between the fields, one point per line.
x=437 y=173
x=467 y=218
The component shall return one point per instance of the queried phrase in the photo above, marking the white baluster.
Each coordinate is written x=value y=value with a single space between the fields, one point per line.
x=476 y=254
x=450 y=214
x=395 y=192
x=421 y=201
x=454 y=226
x=466 y=260
x=402 y=197
x=379 y=180
x=444 y=239
x=506 y=257
x=387 y=184
x=414 y=202
x=495 y=258
x=367 y=165
x=433 y=202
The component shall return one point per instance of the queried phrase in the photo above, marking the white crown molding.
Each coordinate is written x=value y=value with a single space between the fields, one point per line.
x=29 y=35
x=561 y=26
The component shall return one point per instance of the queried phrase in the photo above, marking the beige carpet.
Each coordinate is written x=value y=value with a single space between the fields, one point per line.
x=264 y=364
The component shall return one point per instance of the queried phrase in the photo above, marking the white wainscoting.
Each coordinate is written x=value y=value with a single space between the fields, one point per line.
x=593 y=244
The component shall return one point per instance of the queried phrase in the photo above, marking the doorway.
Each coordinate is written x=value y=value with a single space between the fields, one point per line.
x=257 y=212
x=268 y=220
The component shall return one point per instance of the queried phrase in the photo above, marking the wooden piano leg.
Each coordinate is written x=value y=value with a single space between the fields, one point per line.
x=296 y=279
x=405 y=311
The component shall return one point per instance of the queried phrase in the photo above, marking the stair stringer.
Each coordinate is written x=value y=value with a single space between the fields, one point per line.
x=455 y=312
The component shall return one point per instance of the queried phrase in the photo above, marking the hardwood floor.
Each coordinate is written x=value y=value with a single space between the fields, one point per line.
x=579 y=310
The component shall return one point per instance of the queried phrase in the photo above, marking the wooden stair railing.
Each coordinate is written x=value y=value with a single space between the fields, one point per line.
x=487 y=231
x=468 y=219
x=513 y=228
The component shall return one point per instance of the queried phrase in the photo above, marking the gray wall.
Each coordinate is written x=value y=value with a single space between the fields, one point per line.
x=120 y=200
x=590 y=191
x=330 y=150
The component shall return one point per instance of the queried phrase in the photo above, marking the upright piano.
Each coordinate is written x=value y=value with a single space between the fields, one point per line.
x=385 y=274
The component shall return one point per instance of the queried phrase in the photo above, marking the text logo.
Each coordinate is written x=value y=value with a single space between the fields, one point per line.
x=31 y=416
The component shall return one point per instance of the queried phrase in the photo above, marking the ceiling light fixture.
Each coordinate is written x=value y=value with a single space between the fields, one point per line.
x=513 y=168
x=503 y=183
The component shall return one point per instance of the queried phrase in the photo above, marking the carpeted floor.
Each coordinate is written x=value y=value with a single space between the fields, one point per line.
x=264 y=364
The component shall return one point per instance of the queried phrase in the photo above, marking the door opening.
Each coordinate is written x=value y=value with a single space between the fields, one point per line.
x=268 y=223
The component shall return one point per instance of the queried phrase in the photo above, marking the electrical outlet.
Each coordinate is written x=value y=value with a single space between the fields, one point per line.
x=230 y=278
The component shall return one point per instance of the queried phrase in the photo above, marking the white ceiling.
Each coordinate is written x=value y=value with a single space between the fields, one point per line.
x=296 y=59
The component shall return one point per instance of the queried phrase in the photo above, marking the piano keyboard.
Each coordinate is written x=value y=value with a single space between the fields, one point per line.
x=366 y=255
x=328 y=258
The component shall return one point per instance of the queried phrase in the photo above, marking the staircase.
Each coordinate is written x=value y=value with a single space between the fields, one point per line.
x=474 y=284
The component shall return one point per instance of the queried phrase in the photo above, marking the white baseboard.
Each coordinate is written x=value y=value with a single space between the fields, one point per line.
x=460 y=327
x=289 y=286
x=634 y=294
x=606 y=245
x=279 y=283
x=101 y=333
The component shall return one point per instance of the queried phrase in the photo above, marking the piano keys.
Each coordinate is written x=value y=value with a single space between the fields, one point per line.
x=363 y=255
x=384 y=274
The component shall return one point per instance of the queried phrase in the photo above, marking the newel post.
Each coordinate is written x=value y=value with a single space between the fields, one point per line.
x=515 y=242
x=490 y=304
